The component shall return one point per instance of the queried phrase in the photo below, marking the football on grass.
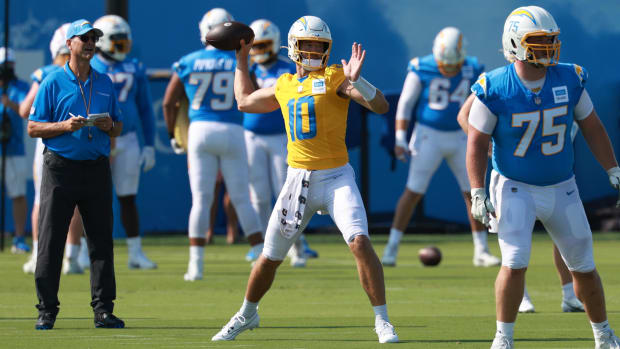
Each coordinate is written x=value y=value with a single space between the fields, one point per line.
x=226 y=36
x=430 y=256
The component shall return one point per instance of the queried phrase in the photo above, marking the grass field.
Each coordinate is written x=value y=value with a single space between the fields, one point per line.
x=321 y=306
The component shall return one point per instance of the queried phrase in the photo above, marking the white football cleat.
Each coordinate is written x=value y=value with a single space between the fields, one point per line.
x=485 y=259
x=140 y=261
x=236 y=325
x=31 y=265
x=194 y=271
x=298 y=262
x=502 y=342
x=572 y=305
x=71 y=266
x=526 y=306
x=385 y=331
x=295 y=253
x=608 y=341
x=389 y=255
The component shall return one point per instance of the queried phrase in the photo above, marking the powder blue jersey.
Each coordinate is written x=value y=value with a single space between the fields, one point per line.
x=43 y=72
x=134 y=96
x=269 y=123
x=16 y=92
x=442 y=97
x=531 y=140
x=208 y=76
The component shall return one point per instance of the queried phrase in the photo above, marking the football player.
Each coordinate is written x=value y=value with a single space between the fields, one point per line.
x=570 y=303
x=438 y=84
x=314 y=104
x=215 y=139
x=265 y=137
x=15 y=174
x=71 y=265
x=132 y=88
x=527 y=108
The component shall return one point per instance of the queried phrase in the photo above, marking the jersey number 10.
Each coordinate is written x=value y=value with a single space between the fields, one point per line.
x=296 y=118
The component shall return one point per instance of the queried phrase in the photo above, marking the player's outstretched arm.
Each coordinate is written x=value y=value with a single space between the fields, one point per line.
x=596 y=136
x=249 y=99
x=357 y=88
x=463 y=115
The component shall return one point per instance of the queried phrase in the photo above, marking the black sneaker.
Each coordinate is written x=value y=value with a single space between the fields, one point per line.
x=108 y=320
x=45 y=321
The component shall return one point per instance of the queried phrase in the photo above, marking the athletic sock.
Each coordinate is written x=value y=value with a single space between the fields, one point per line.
x=568 y=292
x=395 y=236
x=196 y=254
x=480 y=241
x=381 y=313
x=248 y=309
x=600 y=328
x=72 y=251
x=506 y=329
x=134 y=245
x=35 y=247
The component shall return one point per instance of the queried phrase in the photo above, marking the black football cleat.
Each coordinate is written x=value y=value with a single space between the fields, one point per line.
x=45 y=321
x=108 y=320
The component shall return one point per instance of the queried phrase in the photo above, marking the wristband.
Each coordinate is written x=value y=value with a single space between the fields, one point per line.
x=366 y=89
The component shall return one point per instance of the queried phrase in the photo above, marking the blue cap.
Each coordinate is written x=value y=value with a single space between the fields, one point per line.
x=81 y=26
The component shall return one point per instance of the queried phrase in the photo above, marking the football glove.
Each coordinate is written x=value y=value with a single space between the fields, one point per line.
x=614 y=180
x=481 y=207
x=176 y=147
x=147 y=158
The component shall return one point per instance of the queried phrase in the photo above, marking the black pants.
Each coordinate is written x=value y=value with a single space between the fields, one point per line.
x=65 y=184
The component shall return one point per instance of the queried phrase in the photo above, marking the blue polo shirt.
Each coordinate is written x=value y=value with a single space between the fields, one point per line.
x=16 y=91
x=59 y=95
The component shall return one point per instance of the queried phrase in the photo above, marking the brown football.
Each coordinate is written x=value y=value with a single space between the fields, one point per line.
x=430 y=256
x=226 y=36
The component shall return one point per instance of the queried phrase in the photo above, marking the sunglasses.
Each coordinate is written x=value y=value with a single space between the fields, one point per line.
x=86 y=37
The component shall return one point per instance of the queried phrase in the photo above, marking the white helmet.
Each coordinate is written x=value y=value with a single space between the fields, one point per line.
x=313 y=29
x=9 y=54
x=212 y=18
x=526 y=22
x=268 y=34
x=449 y=50
x=58 y=45
x=116 y=39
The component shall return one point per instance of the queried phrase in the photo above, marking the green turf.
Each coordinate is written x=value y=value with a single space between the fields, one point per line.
x=321 y=306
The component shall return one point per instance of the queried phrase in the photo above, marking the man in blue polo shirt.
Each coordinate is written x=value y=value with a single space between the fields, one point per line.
x=76 y=113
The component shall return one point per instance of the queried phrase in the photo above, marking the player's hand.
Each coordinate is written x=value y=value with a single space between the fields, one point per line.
x=147 y=158
x=481 y=207
x=74 y=123
x=614 y=180
x=401 y=152
x=244 y=50
x=176 y=147
x=105 y=124
x=353 y=68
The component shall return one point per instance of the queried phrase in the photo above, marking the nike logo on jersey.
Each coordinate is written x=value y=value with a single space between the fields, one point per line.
x=560 y=94
x=570 y=192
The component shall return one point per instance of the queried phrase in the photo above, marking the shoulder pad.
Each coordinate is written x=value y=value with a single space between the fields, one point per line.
x=482 y=82
x=414 y=63
x=582 y=74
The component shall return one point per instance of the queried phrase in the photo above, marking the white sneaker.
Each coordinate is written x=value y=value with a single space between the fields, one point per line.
x=71 y=266
x=31 y=265
x=194 y=271
x=236 y=325
x=385 y=332
x=608 y=341
x=83 y=258
x=572 y=305
x=485 y=259
x=389 y=255
x=502 y=342
x=140 y=261
x=526 y=306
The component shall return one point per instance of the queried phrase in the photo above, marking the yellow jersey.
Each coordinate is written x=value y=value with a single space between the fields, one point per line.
x=315 y=117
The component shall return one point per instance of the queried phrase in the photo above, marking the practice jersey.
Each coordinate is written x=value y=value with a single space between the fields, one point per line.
x=268 y=123
x=41 y=73
x=315 y=118
x=16 y=92
x=134 y=96
x=531 y=139
x=442 y=97
x=208 y=76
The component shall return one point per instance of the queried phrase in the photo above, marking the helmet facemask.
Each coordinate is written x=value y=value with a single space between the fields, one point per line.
x=548 y=54
x=310 y=60
x=262 y=51
x=120 y=46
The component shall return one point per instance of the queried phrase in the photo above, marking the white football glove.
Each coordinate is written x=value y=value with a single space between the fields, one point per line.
x=481 y=207
x=401 y=142
x=176 y=147
x=147 y=158
x=614 y=180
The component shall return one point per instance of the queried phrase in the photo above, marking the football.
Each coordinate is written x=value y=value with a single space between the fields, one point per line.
x=226 y=36
x=430 y=256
